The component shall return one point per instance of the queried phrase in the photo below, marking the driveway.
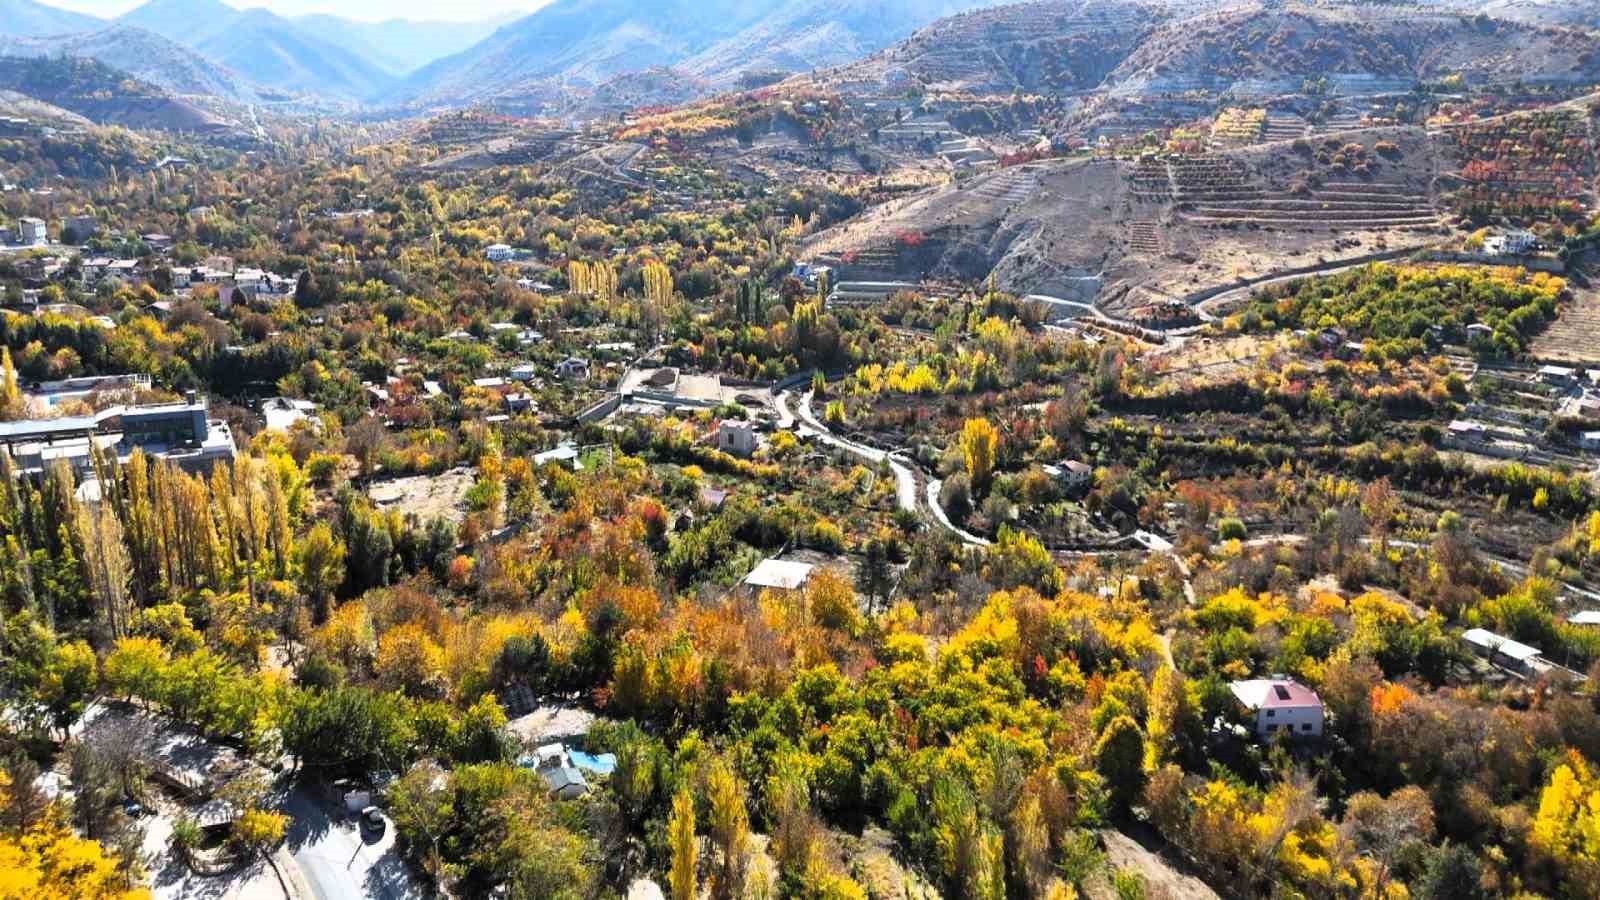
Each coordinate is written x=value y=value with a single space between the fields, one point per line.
x=337 y=862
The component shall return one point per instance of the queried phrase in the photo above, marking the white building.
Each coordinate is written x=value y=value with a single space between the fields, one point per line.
x=281 y=413
x=1073 y=474
x=498 y=253
x=1506 y=653
x=1516 y=242
x=1558 y=376
x=31 y=232
x=736 y=437
x=1280 y=705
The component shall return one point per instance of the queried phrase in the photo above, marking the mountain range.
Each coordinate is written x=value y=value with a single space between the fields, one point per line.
x=24 y=18
x=562 y=46
x=259 y=54
x=576 y=54
x=585 y=43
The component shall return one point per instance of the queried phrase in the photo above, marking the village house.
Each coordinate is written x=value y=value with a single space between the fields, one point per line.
x=1513 y=656
x=572 y=367
x=1515 y=242
x=1558 y=376
x=31 y=232
x=1462 y=433
x=498 y=253
x=282 y=412
x=1073 y=474
x=1280 y=705
x=736 y=438
x=80 y=228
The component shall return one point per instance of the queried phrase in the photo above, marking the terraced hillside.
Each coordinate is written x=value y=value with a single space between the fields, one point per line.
x=1273 y=48
x=1160 y=227
x=1043 y=47
x=1131 y=48
x=1531 y=168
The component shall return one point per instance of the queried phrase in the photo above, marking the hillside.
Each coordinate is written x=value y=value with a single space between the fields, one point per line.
x=1044 y=47
x=1128 y=234
x=263 y=47
x=798 y=37
x=25 y=107
x=25 y=18
x=1134 y=48
x=101 y=94
x=583 y=43
x=144 y=55
x=1583 y=13
x=1274 y=48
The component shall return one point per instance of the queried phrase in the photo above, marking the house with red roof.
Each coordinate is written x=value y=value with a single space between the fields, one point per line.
x=1279 y=705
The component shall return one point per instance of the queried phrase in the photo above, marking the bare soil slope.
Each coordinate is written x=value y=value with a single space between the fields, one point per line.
x=1129 y=234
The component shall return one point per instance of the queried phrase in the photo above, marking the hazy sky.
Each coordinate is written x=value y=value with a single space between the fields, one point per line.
x=367 y=10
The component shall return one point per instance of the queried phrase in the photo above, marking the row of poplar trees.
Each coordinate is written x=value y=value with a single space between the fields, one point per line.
x=157 y=534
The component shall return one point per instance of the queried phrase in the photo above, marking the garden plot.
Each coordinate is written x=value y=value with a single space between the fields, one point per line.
x=1574 y=337
x=428 y=497
x=1213 y=359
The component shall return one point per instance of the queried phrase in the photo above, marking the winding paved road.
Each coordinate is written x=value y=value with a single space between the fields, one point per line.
x=943 y=518
x=905 y=481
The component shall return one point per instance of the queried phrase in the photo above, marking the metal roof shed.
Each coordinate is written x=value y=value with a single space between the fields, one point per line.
x=782 y=574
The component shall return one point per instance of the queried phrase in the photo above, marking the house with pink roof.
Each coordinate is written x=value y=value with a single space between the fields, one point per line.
x=1279 y=704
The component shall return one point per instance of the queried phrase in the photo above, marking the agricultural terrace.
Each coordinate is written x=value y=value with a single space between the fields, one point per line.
x=813 y=113
x=1392 y=307
x=1235 y=126
x=1533 y=168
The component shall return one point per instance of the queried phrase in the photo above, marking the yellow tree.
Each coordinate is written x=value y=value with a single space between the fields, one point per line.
x=44 y=860
x=979 y=444
x=685 y=853
x=107 y=565
x=11 y=406
x=730 y=829
x=657 y=282
x=1567 y=825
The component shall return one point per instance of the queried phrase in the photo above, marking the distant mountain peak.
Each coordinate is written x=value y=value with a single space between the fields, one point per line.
x=26 y=18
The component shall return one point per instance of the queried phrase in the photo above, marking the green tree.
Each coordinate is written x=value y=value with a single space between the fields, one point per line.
x=1119 y=758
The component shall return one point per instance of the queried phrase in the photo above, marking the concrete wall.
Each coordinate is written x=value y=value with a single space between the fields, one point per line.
x=600 y=410
x=1295 y=719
